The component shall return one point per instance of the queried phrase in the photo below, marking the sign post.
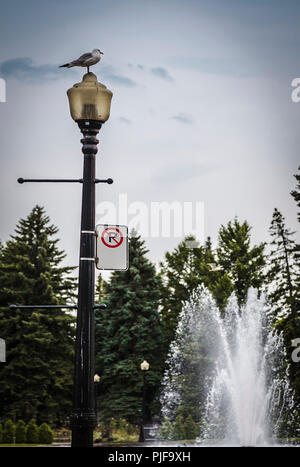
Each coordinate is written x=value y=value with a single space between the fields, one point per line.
x=112 y=247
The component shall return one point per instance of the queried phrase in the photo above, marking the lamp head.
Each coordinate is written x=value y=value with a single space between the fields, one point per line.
x=89 y=100
x=97 y=378
x=145 y=365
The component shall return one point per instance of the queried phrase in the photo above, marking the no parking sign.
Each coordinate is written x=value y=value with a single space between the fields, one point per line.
x=112 y=247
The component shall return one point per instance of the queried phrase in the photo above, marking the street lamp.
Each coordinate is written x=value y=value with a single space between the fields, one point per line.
x=90 y=108
x=144 y=367
x=96 y=386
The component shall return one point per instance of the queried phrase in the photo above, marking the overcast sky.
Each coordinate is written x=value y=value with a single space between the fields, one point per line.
x=201 y=111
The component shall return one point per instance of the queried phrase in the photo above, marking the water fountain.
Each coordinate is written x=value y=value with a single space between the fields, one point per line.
x=241 y=369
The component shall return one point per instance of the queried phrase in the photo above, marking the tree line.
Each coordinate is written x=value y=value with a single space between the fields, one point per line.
x=20 y=433
x=141 y=317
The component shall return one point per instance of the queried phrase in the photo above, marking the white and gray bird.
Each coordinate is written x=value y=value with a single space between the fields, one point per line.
x=87 y=60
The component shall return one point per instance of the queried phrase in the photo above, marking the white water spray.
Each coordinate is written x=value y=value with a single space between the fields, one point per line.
x=247 y=382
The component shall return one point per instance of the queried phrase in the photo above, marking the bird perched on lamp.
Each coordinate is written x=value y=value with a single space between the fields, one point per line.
x=85 y=60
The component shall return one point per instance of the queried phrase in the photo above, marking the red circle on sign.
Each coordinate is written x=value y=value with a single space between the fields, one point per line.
x=113 y=243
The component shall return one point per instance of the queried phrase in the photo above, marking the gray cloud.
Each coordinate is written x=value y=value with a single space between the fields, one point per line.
x=158 y=71
x=25 y=69
x=162 y=73
x=183 y=118
x=112 y=75
x=215 y=65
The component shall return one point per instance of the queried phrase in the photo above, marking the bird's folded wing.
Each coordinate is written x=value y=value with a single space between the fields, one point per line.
x=83 y=58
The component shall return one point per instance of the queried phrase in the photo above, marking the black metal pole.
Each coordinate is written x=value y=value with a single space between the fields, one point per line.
x=96 y=408
x=143 y=418
x=83 y=418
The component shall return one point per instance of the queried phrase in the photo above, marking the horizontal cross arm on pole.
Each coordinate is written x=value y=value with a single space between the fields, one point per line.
x=21 y=307
x=61 y=180
x=50 y=180
x=14 y=307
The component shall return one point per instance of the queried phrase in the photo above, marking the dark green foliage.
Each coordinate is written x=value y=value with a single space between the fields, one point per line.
x=283 y=268
x=221 y=288
x=37 y=379
x=179 y=429
x=236 y=267
x=296 y=193
x=283 y=288
x=216 y=280
x=233 y=268
x=183 y=270
x=195 y=367
x=191 y=428
x=1 y=433
x=32 y=432
x=20 y=432
x=100 y=289
x=191 y=359
x=45 y=434
x=9 y=432
x=242 y=263
x=127 y=332
x=166 y=430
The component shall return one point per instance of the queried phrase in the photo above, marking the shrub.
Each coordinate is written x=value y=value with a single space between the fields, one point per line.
x=121 y=424
x=32 y=434
x=8 y=432
x=113 y=423
x=45 y=434
x=131 y=429
x=166 y=430
x=1 y=433
x=20 y=432
x=191 y=429
x=179 y=428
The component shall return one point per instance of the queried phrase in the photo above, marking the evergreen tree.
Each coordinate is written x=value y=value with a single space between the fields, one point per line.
x=221 y=288
x=296 y=193
x=9 y=432
x=283 y=269
x=242 y=264
x=183 y=270
x=283 y=289
x=37 y=379
x=191 y=359
x=191 y=429
x=20 y=432
x=166 y=430
x=32 y=432
x=100 y=289
x=179 y=429
x=127 y=332
x=45 y=434
x=216 y=280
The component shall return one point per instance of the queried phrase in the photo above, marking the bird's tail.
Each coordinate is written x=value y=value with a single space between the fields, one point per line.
x=65 y=65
